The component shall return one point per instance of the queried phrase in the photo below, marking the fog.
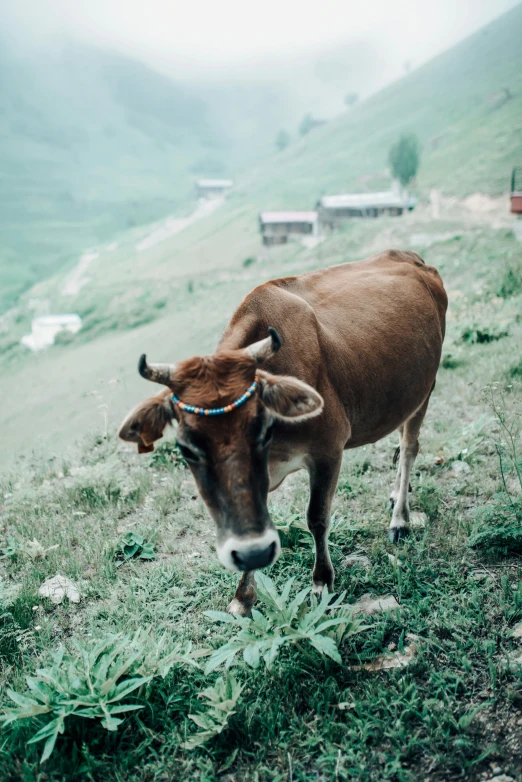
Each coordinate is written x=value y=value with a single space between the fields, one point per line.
x=212 y=39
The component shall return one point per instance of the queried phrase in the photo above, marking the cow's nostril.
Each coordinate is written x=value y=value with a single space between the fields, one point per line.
x=254 y=558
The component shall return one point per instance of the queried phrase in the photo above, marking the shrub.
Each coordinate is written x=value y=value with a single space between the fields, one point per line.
x=511 y=282
x=477 y=335
x=497 y=530
x=404 y=158
x=449 y=361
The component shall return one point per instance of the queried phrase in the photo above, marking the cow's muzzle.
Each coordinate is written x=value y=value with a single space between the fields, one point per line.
x=250 y=552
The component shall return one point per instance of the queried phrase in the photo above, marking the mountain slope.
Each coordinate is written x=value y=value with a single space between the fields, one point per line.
x=92 y=143
x=465 y=106
x=173 y=299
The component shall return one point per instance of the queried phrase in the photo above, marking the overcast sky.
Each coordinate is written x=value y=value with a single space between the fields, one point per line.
x=210 y=34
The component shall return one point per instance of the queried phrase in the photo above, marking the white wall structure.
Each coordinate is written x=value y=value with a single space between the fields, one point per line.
x=45 y=328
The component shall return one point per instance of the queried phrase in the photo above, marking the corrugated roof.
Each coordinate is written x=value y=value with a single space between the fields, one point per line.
x=215 y=183
x=288 y=217
x=57 y=320
x=386 y=198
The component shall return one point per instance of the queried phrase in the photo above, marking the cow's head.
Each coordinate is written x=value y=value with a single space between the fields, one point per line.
x=227 y=454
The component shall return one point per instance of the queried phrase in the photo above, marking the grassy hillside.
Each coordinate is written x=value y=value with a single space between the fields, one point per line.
x=135 y=538
x=470 y=135
x=451 y=711
x=174 y=297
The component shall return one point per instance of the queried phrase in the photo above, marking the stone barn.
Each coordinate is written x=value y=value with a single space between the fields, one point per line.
x=279 y=227
x=213 y=188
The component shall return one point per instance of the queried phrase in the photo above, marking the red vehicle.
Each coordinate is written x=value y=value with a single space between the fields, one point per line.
x=516 y=191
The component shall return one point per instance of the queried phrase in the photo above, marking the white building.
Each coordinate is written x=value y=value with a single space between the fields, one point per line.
x=213 y=188
x=45 y=328
x=336 y=208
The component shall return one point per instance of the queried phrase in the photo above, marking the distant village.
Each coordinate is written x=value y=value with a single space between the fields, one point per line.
x=276 y=227
x=329 y=213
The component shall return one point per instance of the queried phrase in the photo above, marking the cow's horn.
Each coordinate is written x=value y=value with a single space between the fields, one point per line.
x=158 y=373
x=261 y=351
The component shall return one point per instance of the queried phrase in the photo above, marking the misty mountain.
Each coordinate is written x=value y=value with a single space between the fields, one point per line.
x=93 y=143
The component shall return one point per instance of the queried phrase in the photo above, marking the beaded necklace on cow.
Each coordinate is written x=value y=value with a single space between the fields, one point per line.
x=217 y=410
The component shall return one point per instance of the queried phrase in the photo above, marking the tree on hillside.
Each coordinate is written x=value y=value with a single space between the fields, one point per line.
x=404 y=158
x=306 y=125
x=282 y=140
x=351 y=98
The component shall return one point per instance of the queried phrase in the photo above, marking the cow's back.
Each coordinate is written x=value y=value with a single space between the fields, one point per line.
x=368 y=335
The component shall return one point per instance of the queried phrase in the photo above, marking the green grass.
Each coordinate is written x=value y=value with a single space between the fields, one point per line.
x=75 y=501
x=449 y=713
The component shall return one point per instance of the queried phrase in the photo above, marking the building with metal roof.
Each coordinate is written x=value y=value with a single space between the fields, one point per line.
x=278 y=227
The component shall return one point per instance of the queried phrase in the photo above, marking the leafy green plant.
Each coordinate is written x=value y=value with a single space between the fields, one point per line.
x=222 y=699
x=12 y=548
x=304 y=620
x=133 y=545
x=168 y=455
x=94 y=683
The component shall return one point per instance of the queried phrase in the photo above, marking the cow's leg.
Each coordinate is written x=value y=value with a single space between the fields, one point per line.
x=396 y=486
x=399 y=526
x=323 y=481
x=245 y=596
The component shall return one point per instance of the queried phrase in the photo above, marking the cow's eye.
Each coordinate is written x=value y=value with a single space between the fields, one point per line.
x=268 y=435
x=188 y=454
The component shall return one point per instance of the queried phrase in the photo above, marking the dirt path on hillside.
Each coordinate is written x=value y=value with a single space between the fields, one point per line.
x=174 y=225
x=433 y=222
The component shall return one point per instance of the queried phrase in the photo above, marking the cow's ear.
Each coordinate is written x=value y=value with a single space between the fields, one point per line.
x=146 y=423
x=288 y=398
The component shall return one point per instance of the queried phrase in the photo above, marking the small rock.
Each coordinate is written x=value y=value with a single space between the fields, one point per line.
x=357 y=560
x=502 y=778
x=374 y=605
x=395 y=561
x=418 y=519
x=495 y=769
x=517 y=631
x=459 y=468
x=58 y=587
x=386 y=661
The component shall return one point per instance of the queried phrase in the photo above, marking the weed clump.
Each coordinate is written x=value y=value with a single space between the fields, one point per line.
x=497 y=531
x=98 y=683
x=480 y=335
x=511 y=282
x=167 y=455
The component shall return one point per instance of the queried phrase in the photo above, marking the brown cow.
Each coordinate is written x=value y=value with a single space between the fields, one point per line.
x=352 y=355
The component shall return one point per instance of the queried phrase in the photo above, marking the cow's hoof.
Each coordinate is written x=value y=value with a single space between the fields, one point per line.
x=396 y=534
x=239 y=609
